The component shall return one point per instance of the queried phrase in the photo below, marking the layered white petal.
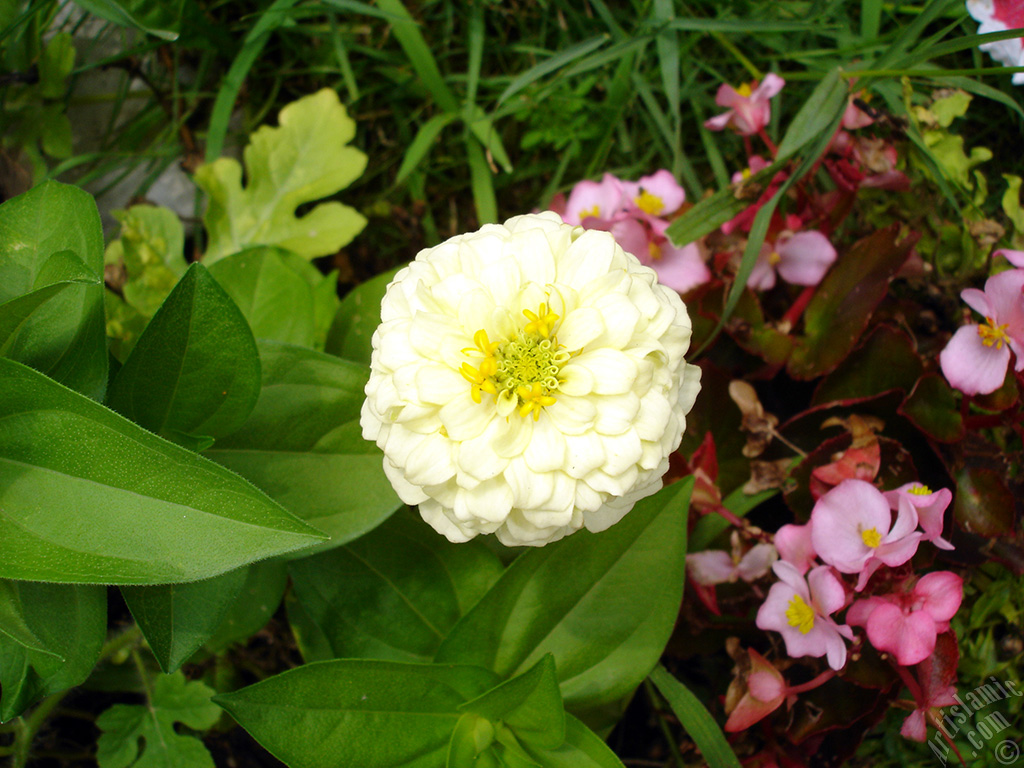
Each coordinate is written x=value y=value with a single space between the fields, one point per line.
x=583 y=453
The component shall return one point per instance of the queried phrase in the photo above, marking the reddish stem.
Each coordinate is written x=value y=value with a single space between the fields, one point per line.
x=793 y=314
x=821 y=679
x=768 y=142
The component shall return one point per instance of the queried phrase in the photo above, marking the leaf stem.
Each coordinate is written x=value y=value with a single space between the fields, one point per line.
x=673 y=746
x=27 y=728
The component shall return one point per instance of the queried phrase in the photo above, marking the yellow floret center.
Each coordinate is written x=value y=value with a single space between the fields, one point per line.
x=799 y=614
x=993 y=335
x=774 y=258
x=871 y=537
x=648 y=203
x=593 y=212
x=920 y=490
x=744 y=90
x=524 y=369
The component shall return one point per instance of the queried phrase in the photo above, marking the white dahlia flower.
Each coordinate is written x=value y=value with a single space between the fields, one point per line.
x=527 y=380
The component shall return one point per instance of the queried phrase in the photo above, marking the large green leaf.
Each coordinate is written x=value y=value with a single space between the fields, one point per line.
x=303 y=160
x=303 y=445
x=391 y=594
x=275 y=299
x=50 y=235
x=87 y=496
x=371 y=714
x=195 y=369
x=51 y=639
x=582 y=749
x=603 y=604
x=177 y=619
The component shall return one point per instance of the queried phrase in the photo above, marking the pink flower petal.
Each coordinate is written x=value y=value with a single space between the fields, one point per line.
x=972 y=367
x=806 y=257
x=976 y=300
x=681 y=269
x=913 y=727
x=769 y=87
x=910 y=638
x=593 y=199
x=940 y=593
x=711 y=567
x=827 y=592
x=839 y=519
x=1014 y=257
x=664 y=195
x=794 y=545
x=757 y=562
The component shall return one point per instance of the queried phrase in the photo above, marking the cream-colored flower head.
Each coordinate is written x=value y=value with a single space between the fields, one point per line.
x=527 y=380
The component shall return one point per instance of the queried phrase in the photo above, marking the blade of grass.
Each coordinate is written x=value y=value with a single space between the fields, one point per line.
x=481 y=182
x=870 y=18
x=224 y=104
x=553 y=64
x=418 y=52
x=695 y=719
x=421 y=145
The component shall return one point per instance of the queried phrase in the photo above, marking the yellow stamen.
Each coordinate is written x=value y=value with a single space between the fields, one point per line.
x=533 y=398
x=541 y=323
x=746 y=174
x=593 y=212
x=993 y=335
x=479 y=381
x=920 y=490
x=774 y=258
x=800 y=614
x=744 y=90
x=871 y=537
x=654 y=250
x=648 y=203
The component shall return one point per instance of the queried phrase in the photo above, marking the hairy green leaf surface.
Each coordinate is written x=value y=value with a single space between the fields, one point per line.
x=391 y=594
x=87 y=496
x=371 y=714
x=195 y=369
x=144 y=736
x=176 y=619
x=302 y=443
x=303 y=160
x=51 y=235
x=50 y=639
x=602 y=604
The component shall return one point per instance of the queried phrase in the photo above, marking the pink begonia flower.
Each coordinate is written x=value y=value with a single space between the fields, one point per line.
x=930 y=507
x=633 y=212
x=914 y=727
x=906 y=624
x=799 y=609
x=800 y=258
x=766 y=690
x=997 y=16
x=595 y=200
x=975 y=359
x=852 y=529
x=749 y=111
x=716 y=566
x=794 y=545
x=854 y=117
x=656 y=195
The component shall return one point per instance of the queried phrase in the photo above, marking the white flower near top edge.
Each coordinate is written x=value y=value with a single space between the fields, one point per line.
x=998 y=16
x=528 y=380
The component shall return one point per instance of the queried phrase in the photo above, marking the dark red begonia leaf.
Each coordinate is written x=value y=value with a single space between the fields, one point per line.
x=884 y=361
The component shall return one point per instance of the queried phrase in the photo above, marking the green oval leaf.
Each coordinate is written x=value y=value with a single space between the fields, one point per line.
x=302 y=443
x=88 y=497
x=371 y=714
x=602 y=604
x=393 y=594
x=195 y=369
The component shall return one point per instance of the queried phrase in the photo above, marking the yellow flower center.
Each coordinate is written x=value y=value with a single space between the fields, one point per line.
x=993 y=335
x=744 y=90
x=522 y=372
x=871 y=537
x=800 y=614
x=648 y=203
x=654 y=250
x=774 y=258
x=593 y=211
x=920 y=490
